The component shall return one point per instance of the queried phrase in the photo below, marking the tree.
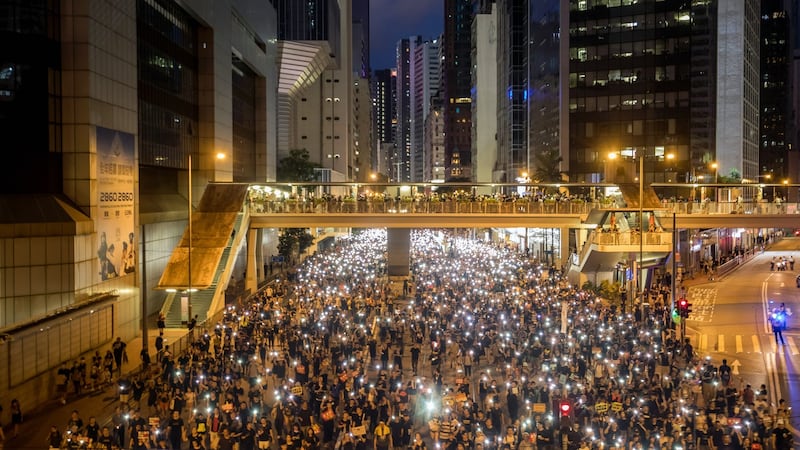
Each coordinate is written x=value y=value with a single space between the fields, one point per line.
x=293 y=238
x=296 y=167
x=548 y=166
x=733 y=177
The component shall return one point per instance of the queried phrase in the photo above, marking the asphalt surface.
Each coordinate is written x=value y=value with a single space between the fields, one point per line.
x=730 y=321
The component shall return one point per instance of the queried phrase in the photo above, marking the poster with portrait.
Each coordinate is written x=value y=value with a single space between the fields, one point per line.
x=116 y=169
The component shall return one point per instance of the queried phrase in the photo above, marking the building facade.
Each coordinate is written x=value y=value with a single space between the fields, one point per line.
x=484 y=95
x=457 y=96
x=424 y=85
x=110 y=117
x=401 y=160
x=775 y=143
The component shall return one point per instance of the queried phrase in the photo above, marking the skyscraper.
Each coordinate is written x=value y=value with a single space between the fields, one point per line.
x=776 y=85
x=424 y=84
x=384 y=108
x=361 y=33
x=401 y=160
x=512 y=85
x=457 y=89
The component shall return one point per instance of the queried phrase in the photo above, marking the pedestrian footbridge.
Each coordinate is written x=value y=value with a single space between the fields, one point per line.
x=609 y=221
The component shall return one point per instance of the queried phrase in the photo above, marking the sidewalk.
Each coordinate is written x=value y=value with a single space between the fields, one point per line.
x=101 y=403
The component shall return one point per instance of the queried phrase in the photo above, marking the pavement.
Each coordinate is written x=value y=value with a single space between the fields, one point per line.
x=101 y=403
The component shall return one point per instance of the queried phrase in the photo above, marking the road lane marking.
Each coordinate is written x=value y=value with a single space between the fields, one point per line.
x=756 y=344
x=721 y=343
x=793 y=347
x=774 y=346
x=739 y=347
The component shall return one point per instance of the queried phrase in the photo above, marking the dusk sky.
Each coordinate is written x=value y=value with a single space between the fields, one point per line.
x=392 y=20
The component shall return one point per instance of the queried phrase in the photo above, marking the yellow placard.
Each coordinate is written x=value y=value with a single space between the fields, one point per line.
x=601 y=407
x=616 y=406
x=539 y=407
x=297 y=390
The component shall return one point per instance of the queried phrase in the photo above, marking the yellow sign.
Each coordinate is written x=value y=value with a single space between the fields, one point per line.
x=601 y=407
x=616 y=406
x=297 y=390
x=539 y=407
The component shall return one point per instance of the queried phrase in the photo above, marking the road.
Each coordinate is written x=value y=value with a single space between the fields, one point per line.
x=729 y=321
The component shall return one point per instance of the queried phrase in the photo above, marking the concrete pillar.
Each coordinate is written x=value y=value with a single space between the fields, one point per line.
x=399 y=251
x=262 y=274
x=565 y=250
x=251 y=278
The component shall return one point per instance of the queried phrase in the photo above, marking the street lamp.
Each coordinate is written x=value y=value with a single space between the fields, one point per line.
x=669 y=156
x=639 y=283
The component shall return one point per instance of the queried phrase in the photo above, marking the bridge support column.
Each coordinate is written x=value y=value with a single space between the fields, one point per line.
x=398 y=248
x=251 y=277
x=261 y=273
x=565 y=250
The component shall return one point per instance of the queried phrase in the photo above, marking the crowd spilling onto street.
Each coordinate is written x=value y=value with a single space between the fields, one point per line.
x=481 y=348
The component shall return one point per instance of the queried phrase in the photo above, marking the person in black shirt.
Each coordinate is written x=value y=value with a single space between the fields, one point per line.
x=175 y=429
x=781 y=436
x=105 y=441
x=246 y=436
x=54 y=438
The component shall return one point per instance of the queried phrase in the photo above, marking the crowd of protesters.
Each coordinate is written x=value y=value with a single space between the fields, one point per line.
x=481 y=349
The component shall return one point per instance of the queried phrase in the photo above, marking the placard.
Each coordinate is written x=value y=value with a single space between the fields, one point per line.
x=360 y=430
x=539 y=407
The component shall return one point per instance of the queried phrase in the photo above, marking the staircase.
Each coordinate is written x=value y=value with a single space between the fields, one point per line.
x=201 y=299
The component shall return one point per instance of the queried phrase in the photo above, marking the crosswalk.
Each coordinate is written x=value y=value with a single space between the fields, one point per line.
x=734 y=344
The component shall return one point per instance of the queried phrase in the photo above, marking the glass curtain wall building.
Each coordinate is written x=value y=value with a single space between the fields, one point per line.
x=630 y=66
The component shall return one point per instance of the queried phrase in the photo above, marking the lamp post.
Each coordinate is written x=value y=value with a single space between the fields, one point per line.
x=639 y=283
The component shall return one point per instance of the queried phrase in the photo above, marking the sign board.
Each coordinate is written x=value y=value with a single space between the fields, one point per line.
x=616 y=406
x=601 y=407
x=297 y=390
x=360 y=430
x=116 y=237
x=539 y=407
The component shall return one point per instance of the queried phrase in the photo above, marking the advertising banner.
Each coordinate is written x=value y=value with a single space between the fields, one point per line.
x=116 y=236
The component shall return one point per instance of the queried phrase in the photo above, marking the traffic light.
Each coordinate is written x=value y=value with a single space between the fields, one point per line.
x=684 y=308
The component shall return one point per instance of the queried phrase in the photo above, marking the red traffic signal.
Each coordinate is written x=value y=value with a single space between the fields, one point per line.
x=684 y=307
x=565 y=408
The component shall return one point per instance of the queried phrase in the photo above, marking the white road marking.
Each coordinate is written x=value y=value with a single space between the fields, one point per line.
x=756 y=344
x=793 y=347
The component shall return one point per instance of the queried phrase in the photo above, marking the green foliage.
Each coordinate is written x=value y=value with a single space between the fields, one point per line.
x=294 y=238
x=296 y=167
x=733 y=177
x=591 y=287
x=610 y=290
x=548 y=166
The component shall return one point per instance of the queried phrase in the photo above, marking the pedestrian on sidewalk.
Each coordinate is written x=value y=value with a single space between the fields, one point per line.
x=120 y=355
x=162 y=322
x=16 y=416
